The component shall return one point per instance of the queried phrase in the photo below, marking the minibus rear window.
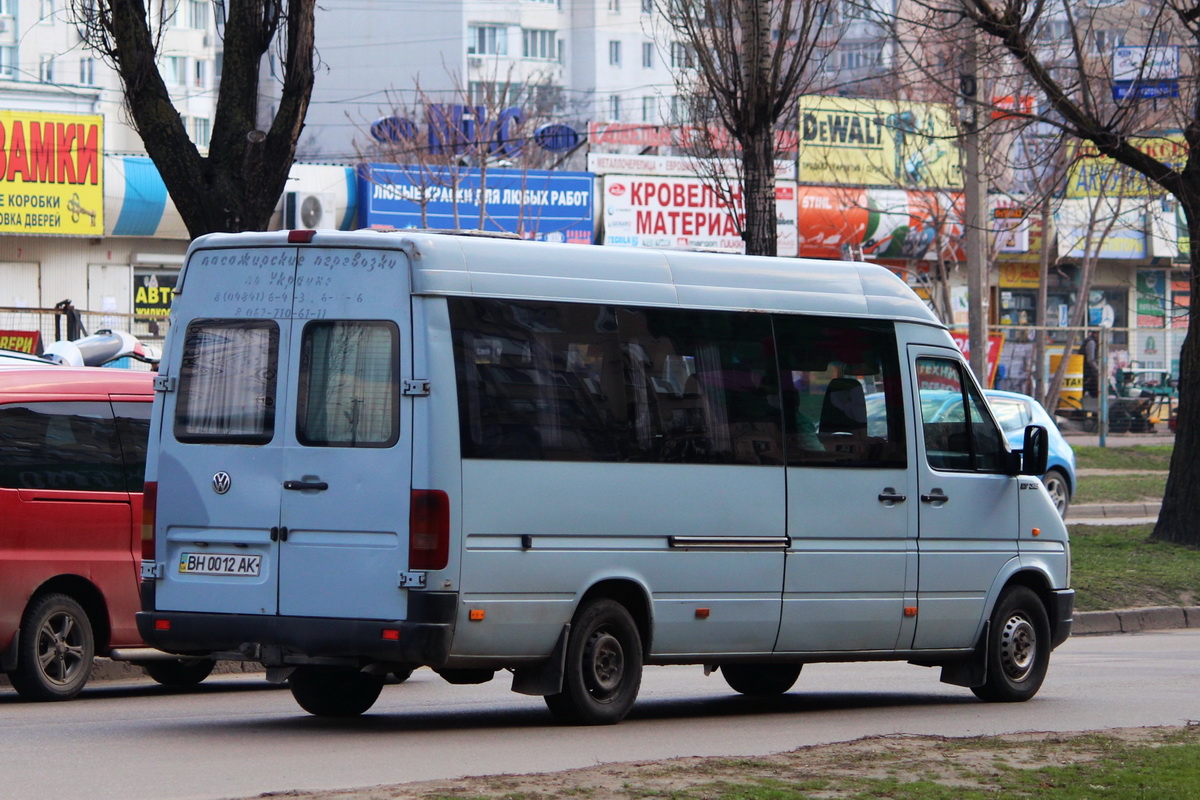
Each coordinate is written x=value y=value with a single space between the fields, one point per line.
x=349 y=386
x=227 y=382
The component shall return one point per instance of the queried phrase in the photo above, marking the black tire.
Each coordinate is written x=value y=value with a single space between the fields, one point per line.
x=1059 y=488
x=339 y=692
x=1018 y=652
x=604 y=666
x=54 y=655
x=760 y=680
x=179 y=673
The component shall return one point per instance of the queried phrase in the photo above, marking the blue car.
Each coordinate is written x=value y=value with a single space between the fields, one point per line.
x=1014 y=411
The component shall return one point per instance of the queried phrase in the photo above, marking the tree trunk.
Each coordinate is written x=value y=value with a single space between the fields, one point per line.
x=236 y=186
x=758 y=132
x=758 y=170
x=1181 y=502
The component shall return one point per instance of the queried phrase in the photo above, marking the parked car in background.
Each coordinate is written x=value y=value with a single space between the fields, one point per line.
x=72 y=460
x=17 y=358
x=1014 y=411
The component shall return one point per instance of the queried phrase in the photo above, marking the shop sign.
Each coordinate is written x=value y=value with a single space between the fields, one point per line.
x=535 y=204
x=1145 y=72
x=1010 y=226
x=21 y=341
x=1018 y=275
x=153 y=292
x=995 y=343
x=881 y=223
x=50 y=176
x=1084 y=230
x=846 y=141
x=1093 y=175
x=687 y=214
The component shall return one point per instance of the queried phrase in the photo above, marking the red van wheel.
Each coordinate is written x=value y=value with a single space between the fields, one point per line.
x=54 y=655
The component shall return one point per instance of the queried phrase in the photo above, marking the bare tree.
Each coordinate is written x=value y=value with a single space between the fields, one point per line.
x=1063 y=51
x=237 y=184
x=742 y=65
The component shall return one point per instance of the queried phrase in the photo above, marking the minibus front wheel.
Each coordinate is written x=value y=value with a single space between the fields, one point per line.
x=1018 y=647
x=603 y=668
x=334 y=691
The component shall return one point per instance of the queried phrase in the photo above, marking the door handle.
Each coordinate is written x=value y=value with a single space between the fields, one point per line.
x=300 y=486
x=937 y=496
x=890 y=495
x=279 y=534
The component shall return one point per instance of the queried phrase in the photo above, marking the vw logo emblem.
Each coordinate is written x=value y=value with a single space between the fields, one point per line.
x=221 y=482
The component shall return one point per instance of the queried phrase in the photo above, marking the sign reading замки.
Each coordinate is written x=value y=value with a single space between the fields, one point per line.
x=50 y=173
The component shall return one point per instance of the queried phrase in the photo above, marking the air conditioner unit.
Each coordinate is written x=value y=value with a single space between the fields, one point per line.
x=308 y=211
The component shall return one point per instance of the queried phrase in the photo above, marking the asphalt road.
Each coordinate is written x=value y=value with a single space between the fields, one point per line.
x=235 y=737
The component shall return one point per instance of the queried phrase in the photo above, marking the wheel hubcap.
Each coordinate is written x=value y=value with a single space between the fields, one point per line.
x=605 y=665
x=60 y=649
x=1018 y=648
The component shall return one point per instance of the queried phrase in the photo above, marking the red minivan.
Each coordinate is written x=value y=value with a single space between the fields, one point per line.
x=72 y=459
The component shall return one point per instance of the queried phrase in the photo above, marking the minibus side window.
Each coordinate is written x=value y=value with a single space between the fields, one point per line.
x=842 y=399
x=69 y=446
x=227 y=382
x=959 y=431
x=704 y=386
x=349 y=386
x=588 y=382
x=539 y=381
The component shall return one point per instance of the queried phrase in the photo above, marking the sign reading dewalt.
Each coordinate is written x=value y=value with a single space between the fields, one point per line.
x=901 y=145
x=50 y=176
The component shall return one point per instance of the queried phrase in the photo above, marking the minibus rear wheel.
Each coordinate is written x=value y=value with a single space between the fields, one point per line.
x=1018 y=652
x=760 y=680
x=179 y=673
x=334 y=692
x=604 y=666
x=54 y=654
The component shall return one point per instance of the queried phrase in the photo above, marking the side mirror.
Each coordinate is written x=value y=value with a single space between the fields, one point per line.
x=1035 y=454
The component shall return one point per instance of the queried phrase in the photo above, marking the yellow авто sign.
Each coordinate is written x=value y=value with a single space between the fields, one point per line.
x=50 y=173
x=1093 y=174
x=852 y=142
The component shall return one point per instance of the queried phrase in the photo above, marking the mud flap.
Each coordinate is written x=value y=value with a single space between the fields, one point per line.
x=546 y=678
x=970 y=672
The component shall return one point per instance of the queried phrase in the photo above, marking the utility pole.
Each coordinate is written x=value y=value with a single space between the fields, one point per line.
x=975 y=191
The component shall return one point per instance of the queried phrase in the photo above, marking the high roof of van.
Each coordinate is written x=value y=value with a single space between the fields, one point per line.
x=453 y=264
x=69 y=382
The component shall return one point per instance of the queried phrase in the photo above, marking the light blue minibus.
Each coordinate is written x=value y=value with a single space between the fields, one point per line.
x=378 y=450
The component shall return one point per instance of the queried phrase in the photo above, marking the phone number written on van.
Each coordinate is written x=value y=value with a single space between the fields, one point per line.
x=220 y=564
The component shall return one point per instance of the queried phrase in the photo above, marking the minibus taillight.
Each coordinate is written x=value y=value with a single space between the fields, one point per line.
x=149 y=511
x=428 y=529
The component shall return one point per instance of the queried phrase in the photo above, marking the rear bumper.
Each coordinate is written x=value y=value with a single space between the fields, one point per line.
x=1062 y=615
x=424 y=638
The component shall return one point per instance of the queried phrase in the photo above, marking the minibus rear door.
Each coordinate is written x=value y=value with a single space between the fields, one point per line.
x=347 y=437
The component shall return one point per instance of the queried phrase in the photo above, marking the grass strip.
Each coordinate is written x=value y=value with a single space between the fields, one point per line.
x=1121 y=567
x=1120 y=488
x=1141 y=456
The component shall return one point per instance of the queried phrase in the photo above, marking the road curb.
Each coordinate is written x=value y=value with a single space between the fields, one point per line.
x=1116 y=510
x=1135 y=620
